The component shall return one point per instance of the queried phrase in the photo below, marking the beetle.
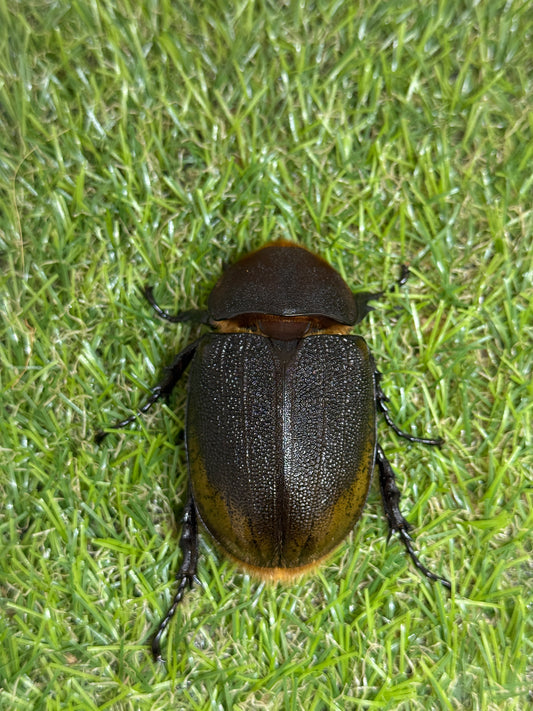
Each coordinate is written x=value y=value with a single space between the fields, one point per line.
x=281 y=417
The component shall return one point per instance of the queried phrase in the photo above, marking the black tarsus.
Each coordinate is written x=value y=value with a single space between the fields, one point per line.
x=186 y=574
x=362 y=298
x=193 y=315
x=163 y=388
x=397 y=523
x=381 y=401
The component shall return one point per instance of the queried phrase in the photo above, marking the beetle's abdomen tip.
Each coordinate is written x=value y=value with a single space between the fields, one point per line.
x=280 y=574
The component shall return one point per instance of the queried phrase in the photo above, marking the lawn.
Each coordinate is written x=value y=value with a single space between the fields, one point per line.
x=156 y=142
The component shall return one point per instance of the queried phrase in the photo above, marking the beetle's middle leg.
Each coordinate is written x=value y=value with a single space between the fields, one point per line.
x=397 y=523
x=163 y=388
x=186 y=574
x=382 y=400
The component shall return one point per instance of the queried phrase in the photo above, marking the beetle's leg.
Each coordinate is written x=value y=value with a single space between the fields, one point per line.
x=186 y=573
x=382 y=401
x=173 y=373
x=195 y=315
x=362 y=298
x=397 y=523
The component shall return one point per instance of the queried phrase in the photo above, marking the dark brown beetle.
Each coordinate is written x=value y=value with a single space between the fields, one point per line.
x=281 y=418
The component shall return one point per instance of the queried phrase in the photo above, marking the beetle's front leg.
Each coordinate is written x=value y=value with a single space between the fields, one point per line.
x=162 y=389
x=397 y=523
x=363 y=298
x=186 y=573
x=194 y=315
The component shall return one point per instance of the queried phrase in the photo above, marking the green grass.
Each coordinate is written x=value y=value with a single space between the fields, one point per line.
x=156 y=141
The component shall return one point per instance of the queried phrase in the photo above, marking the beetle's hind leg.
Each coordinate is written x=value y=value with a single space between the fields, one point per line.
x=382 y=400
x=186 y=574
x=397 y=523
x=163 y=388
